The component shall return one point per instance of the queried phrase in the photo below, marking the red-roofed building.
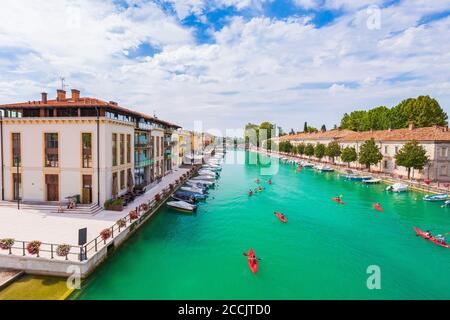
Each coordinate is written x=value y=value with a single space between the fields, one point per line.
x=435 y=140
x=57 y=148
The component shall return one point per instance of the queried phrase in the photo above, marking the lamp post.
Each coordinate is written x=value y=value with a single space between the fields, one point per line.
x=17 y=184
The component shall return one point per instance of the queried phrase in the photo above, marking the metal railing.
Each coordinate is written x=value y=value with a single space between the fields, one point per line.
x=81 y=253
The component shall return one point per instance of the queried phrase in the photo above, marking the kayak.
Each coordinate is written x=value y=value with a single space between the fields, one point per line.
x=377 y=207
x=338 y=200
x=281 y=217
x=252 y=261
x=423 y=234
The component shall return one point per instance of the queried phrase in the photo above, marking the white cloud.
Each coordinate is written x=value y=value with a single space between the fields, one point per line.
x=287 y=71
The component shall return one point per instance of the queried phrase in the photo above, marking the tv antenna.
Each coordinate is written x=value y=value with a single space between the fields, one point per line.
x=63 y=85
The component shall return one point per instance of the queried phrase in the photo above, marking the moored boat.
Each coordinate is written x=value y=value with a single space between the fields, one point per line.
x=371 y=181
x=397 y=187
x=436 y=197
x=182 y=206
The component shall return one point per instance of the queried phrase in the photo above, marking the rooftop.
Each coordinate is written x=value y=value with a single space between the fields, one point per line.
x=75 y=100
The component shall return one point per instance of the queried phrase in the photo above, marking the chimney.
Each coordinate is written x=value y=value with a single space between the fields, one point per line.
x=75 y=94
x=411 y=125
x=60 y=95
x=44 y=97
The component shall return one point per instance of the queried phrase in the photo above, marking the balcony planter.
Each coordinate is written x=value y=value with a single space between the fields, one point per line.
x=157 y=197
x=133 y=215
x=6 y=244
x=121 y=223
x=63 y=250
x=106 y=234
x=33 y=247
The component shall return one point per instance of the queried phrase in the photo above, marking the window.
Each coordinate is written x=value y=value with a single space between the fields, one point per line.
x=114 y=149
x=129 y=178
x=157 y=146
x=88 y=112
x=444 y=152
x=396 y=149
x=122 y=149
x=86 y=144
x=386 y=150
x=385 y=164
x=16 y=149
x=128 y=148
x=17 y=186
x=114 y=191
x=51 y=150
x=443 y=171
x=67 y=112
x=152 y=147
x=49 y=112
x=122 y=179
x=31 y=113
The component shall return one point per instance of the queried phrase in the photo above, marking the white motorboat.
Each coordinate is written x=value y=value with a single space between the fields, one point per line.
x=398 y=187
x=182 y=206
x=371 y=181
x=307 y=164
x=193 y=189
x=204 y=177
x=207 y=172
x=201 y=182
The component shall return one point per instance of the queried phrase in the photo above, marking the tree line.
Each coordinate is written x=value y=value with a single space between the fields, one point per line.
x=423 y=111
x=411 y=156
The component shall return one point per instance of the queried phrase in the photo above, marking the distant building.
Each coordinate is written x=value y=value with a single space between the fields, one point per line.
x=435 y=140
x=54 y=149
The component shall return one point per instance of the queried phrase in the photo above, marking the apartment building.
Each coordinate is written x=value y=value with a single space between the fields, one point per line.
x=54 y=149
x=435 y=140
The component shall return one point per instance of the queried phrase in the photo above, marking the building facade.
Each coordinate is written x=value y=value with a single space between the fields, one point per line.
x=55 y=149
x=435 y=140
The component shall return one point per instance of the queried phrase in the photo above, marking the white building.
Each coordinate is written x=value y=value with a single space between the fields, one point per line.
x=54 y=149
x=435 y=140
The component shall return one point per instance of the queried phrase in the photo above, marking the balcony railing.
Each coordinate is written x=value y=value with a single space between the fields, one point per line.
x=144 y=163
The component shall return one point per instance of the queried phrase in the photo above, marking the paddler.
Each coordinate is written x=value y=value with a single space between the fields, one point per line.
x=269 y=181
x=250 y=193
x=440 y=238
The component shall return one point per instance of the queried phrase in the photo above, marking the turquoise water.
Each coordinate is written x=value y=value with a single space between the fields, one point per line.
x=323 y=251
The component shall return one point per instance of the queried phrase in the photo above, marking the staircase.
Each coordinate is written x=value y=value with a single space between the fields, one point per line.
x=52 y=208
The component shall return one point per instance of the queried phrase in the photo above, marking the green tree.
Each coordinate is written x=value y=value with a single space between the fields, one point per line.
x=301 y=149
x=349 y=155
x=280 y=132
x=333 y=150
x=305 y=127
x=251 y=133
x=424 y=111
x=292 y=132
x=378 y=118
x=309 y=149
x=411 y=155
x=369 y=153
x=266 y=128
x=356 y=121
x=323 y=128
x=319 y=150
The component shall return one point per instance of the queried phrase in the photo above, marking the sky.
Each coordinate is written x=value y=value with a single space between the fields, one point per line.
x=229 y=62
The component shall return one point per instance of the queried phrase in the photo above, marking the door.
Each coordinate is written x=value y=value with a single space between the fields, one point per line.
x=86 y=197
x=52 y=187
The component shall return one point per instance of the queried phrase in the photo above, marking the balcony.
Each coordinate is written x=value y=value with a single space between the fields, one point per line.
x=144 y=163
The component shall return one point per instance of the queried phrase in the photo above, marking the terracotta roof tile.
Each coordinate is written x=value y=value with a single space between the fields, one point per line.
x=321 y=135
x=434 y=133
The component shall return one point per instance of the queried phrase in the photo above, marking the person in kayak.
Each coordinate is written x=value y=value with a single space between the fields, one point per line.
x=269 y=181
x=428 y=234
x=440 y=238
x=250 y=193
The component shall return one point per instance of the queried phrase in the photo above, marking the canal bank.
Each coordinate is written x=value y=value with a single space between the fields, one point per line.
x=323 y=252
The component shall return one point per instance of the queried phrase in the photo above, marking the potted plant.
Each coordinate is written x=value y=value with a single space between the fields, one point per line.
x=144 y=207
x=33 y=247
x=122 y=223
x=133 y=215
x=114 y=205
x=6 y=244
x=106 y=234
x=63 y=250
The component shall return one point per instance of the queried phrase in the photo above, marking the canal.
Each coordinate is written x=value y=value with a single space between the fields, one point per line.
x=323 y=252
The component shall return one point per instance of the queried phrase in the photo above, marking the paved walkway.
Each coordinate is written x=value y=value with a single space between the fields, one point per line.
x=28 y=224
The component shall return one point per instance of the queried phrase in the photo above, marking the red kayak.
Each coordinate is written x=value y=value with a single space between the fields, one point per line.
x=338 y=200
x=423 y=234
x=281 y=217
x=377 y=207
x=252 y=261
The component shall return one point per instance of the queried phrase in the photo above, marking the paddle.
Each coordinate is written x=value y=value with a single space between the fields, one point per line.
x=245 y=254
